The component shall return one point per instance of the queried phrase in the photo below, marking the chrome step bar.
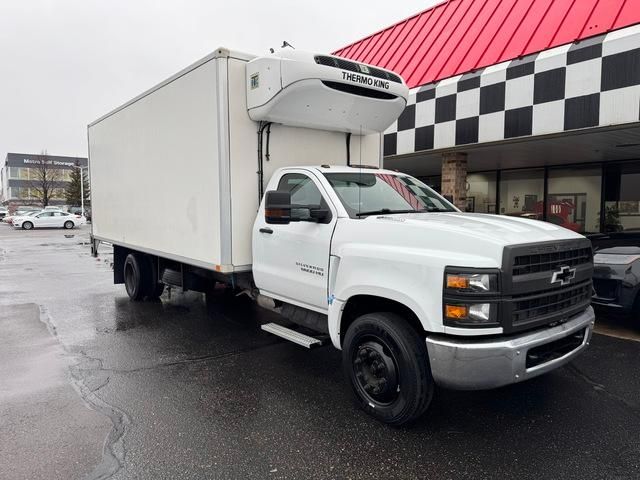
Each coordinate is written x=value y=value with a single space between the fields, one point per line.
x=292 y=335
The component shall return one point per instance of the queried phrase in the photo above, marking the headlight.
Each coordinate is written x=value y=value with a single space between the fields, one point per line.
x=613 y=259
x=472 y=282
x=471 y=297
x=470 y=314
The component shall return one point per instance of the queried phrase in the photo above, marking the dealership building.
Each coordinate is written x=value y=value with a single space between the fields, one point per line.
x=520 y=107
x=20 y=177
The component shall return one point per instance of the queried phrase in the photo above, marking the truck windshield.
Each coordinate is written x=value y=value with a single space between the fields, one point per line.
x=364 y=194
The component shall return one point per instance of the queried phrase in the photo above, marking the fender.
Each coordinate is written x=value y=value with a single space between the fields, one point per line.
x=336 y=307
x=366 y=273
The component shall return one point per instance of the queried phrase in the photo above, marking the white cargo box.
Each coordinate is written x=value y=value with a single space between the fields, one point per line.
x=174 y=171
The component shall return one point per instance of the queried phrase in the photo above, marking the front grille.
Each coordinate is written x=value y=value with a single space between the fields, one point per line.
x=553 y=302
x=545 y=262
x=338 y=62
x=545 y=283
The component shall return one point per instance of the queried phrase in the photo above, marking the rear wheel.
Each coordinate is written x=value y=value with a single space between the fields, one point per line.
x=135 y=276
x=27 y=225
x=386 y=362
x=68 y=225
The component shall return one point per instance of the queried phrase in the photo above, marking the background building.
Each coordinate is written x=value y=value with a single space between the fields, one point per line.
x=21 y=178
x=520 y=107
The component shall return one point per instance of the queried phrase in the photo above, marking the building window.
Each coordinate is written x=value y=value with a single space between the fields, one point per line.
x=58 y=193
x=622 y=197
x=573 y=199
x=481 y=192
x=521 y=193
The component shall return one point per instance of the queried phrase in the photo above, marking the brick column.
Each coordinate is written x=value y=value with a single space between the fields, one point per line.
x=454 y=178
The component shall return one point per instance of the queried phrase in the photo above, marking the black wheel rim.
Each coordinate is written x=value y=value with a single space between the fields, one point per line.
x=129 y=279
x=376 y=371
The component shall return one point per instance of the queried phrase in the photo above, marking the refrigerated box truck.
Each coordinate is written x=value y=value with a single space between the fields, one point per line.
x=265 y=173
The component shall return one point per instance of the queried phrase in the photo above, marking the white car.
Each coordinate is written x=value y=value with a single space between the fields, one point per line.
x=50 y=219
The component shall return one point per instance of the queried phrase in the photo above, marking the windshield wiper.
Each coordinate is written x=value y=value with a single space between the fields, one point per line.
x=387 y=211
x=436 y=210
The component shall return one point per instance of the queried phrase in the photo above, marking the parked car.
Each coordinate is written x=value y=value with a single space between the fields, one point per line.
x=19 y=213
x=78 y=211
x=616 y=274
x=22 y=214
x=48 y=219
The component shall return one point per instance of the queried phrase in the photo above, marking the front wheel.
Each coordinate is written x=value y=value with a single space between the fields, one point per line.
x=27 y=225
x=68 y=225
x=386 y=362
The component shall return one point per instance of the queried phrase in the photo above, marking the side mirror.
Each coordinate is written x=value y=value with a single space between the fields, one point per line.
x=319 y=214
x=277 y=207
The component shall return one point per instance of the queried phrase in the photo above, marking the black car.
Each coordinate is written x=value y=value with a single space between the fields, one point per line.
x=616 y=273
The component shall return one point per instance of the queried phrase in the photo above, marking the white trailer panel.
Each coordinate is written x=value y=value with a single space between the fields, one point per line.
x=154 y=170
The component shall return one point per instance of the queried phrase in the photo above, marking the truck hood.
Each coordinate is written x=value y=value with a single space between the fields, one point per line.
x=497 y=229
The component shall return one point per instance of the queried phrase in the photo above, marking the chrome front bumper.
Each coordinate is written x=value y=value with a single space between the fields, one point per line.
x=477 y=364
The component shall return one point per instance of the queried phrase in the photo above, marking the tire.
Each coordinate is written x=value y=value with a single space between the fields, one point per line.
x=27 y=226
x=136 y=276
x=69 y=225
x=387 y=365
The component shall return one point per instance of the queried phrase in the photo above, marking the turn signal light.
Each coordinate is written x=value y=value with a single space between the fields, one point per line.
x=457 y=281
x=456 y=311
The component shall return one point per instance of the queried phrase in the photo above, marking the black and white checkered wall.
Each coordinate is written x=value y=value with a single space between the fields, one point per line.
x=592 y=83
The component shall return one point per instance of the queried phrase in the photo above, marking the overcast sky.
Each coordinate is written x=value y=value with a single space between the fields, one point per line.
x=64 y=63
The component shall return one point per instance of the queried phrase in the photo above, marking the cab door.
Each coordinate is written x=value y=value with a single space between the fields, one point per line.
x=291 y=261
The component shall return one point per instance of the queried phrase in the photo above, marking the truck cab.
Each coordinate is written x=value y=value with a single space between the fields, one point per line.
x=416 y=293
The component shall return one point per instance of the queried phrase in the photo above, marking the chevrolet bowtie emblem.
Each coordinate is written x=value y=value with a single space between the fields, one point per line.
x=564 y=275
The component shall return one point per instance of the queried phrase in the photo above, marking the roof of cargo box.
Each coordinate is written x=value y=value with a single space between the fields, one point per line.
x=459 y=36
x=220 y=52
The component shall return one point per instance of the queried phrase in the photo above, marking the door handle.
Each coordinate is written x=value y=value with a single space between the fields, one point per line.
x=266 y=230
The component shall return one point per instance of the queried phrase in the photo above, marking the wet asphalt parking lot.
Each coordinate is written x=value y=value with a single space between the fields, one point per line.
x=95 y=386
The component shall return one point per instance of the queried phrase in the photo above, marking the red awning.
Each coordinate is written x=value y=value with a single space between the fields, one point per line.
x=459 y=36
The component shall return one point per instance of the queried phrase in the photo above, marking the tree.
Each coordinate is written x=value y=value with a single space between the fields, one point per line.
x=73 y=191
x=45 y=177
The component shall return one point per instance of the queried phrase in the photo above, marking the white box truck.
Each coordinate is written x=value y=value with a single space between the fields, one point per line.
x=263 y=173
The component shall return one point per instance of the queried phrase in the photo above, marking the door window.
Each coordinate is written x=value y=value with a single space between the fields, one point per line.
x=304 y=194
